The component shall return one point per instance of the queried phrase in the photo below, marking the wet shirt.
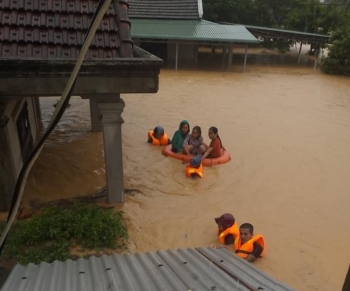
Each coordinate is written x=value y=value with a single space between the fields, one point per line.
x=196 y=143
x=215 y=144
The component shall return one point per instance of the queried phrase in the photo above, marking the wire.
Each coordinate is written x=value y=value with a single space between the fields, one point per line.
x=60 y=108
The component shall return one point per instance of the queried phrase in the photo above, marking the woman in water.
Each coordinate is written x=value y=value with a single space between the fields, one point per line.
x=193 y=143
x=179 y=136
x=214 y=149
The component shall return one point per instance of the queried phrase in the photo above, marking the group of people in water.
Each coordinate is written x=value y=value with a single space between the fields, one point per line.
x=189 y=142
x=245 y=243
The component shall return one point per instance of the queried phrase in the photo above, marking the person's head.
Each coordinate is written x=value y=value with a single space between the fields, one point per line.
x=213 y=132
x=158 y=132
x=184 y=127
x=225 y=221
x=246 y=232
x=196 y=132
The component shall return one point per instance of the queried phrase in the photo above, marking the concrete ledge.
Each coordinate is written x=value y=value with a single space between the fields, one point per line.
x=49 y=77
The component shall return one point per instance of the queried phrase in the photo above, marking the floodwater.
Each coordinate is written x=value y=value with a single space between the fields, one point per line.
x=287 y=129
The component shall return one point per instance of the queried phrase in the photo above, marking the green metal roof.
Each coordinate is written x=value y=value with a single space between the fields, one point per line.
x=287 y=31
x=284 y=33
x=190 y=30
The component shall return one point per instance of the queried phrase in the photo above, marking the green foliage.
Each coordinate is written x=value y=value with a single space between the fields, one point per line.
x=47 y=236
x=338 y=59
x=302 y=15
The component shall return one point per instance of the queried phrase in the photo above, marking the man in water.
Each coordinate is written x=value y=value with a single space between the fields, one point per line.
x=247 y=246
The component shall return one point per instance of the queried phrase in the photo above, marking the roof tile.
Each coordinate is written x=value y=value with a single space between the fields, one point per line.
x=164 y=9
x=56 y=29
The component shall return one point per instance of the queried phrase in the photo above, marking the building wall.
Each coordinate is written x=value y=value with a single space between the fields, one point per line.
x=11 y=155
x=187 y=54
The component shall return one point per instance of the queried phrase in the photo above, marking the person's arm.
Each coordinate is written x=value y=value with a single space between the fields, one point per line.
x=255 y=253
x=208 y=149
x=207 y=152
x=185 y=143
x=229 y=239
x=174 y=142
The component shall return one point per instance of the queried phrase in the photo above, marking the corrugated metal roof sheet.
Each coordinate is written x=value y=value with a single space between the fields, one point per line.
x=246 y=272
x=190 y=30
x=164 y=9
x=181 y=270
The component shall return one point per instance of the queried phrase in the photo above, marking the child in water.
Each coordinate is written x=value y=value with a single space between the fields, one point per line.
x=193 y=143
x=179 y=136
x=158 y=136
x=214 y=149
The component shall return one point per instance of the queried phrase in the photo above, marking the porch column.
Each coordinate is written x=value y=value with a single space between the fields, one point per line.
x=196 y=56
x=176 y=55
x=95 y=115
x=316 y=59
x=299 y=56
x=37 y=107
x=224 y=54
x=112 y=120
x=229 y=61
x=245 y=57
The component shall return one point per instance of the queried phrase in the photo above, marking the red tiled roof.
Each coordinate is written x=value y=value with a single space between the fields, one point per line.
x=55 y=29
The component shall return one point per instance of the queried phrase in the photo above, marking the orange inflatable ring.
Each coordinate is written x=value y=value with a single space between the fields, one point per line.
x=223 y=159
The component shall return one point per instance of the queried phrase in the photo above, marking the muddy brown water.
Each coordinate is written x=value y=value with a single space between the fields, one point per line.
x=287 y=129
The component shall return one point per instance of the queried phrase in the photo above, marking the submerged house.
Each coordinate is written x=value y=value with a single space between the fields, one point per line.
x=39 y=43
x=174 y=31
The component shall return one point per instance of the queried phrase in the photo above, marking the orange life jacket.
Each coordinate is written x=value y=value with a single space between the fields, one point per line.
x=190 y=171
x=156 y=141
x=243 y=250
x=234 y=230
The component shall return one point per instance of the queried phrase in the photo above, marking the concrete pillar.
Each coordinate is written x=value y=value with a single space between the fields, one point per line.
x=112 y=138
x=299 y=55
x=176 y=56
x=224 y=55
x=95 y=115
x=229 y=60
x=37 y=107
x=245 y=58
x=195 y=56
x=316 y=59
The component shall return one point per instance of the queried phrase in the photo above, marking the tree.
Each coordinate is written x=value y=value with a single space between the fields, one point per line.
x=338 y=59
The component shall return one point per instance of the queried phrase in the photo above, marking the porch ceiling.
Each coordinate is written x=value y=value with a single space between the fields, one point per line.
x=190 y=30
